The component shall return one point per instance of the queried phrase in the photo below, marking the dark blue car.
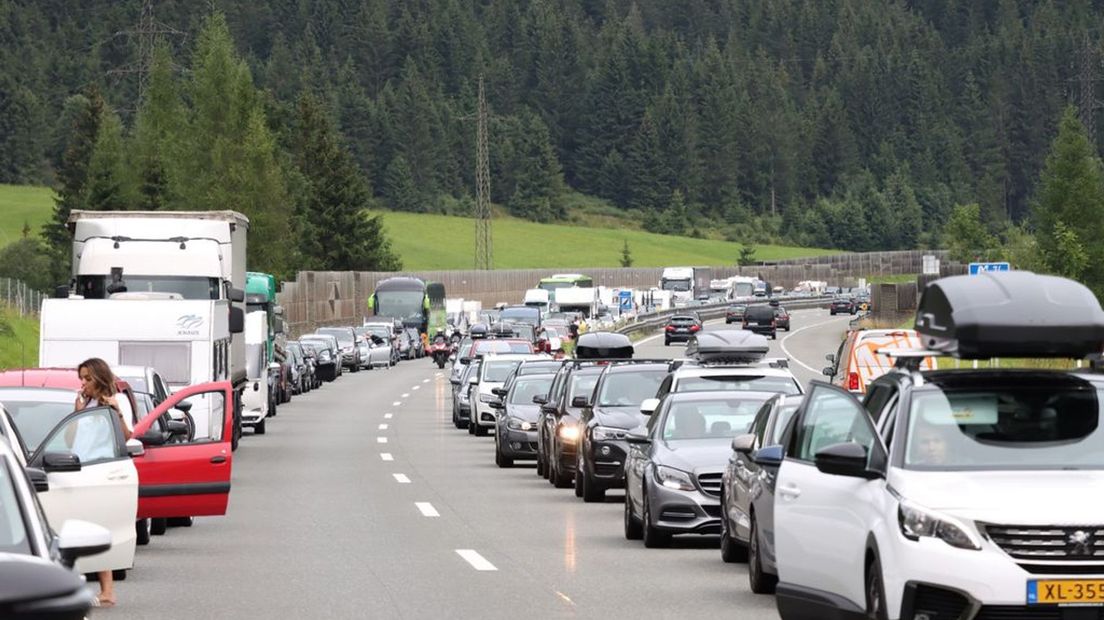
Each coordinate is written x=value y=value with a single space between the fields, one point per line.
x=747 y=494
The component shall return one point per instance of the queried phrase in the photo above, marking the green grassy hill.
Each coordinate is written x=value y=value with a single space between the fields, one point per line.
x=21 y=204
x=446 y=242
x=18 y=340
x=428 y=242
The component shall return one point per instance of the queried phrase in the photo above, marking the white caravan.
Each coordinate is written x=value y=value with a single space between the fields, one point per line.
x=256 y=398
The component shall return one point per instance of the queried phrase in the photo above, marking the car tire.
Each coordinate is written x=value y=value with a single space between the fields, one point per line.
x=471 y=424
x=654 y=538
x=590 y=490
x=259 y=428
x=480 y=430
x=759 y=581
x=180 y=521
x=774 y=335
x=501 y=460
x=666 y=342
x=732 y=550
x=579 y=478
x=875 y=592
x=142 y=532
x=832 y=312
x=633 y=531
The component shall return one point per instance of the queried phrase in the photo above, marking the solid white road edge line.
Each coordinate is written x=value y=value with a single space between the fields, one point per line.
x=386 y=456
x=478 y=562
x=427 y=509
x=792 y=334
x=401 y=478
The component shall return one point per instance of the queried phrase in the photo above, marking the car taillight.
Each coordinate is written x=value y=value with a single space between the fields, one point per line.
x=670 y=328
x=694 y=328
x=853 y=381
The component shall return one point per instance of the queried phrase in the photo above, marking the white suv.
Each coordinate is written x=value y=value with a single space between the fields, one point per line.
x=493 y=373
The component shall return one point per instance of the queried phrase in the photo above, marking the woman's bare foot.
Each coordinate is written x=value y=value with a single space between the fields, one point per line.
x=106 y=600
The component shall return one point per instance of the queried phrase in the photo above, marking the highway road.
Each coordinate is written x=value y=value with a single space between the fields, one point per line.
x=363 y=501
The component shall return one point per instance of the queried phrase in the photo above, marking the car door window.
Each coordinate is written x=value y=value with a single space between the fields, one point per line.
x=13 y=530
x=876 y=398
x=93 y=435
x=830 y=417
x=889 y=419
x=759 y=426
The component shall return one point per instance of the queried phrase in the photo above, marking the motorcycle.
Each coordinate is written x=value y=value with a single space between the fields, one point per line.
x=440 y=351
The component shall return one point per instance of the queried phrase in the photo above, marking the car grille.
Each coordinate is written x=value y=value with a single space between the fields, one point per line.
x=932 y=602
x=1033 y=542
x=710 y=483
x=1018 y=612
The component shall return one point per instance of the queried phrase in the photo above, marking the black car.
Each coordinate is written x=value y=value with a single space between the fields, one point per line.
x=461 y=401
x=600 y=460
x=516 y=424
x=735 y=313
x=761 y=319
x=681 y=328
x=842 y=304
x=558 y=426
x=747 y=495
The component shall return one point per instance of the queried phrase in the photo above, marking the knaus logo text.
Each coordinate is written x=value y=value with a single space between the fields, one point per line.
x=189 y=324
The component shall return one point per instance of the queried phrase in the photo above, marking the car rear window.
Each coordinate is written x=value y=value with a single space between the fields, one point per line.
x=753 y=383
x=760 y=312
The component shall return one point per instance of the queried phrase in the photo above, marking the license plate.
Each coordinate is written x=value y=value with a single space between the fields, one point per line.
x=1065 y=591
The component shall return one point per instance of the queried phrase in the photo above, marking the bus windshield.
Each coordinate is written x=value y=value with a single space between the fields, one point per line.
x=400 y=304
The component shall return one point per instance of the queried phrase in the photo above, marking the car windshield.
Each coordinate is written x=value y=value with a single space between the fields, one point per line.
x=1028 y=425
x=757 y=383
x=137 y=382
x=676 y=285
x=525 y=389
x=496 y=372
x=344 y=336
x=319 y=344
x=714 y=418
x=583 y=385
x=13 y=530
x=627 y=389
x=36 y=412
x=188 y=287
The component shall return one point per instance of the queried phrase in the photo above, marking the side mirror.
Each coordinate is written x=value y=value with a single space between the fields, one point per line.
x=134 y=447
x=845 y=459
x=184 y=406
x=649 y=406
x=540 y=399
x=176 y=427
x=279 y=326
x=742 y=444
x=236 y=294
x=828 y=371
x=496 y=404
x=153 y=437
x=78 y=539
x=237 y=320
x=61 y=291
x=60 y=462
x=769 y=456
x=580 y=402
x=500 y=392
x=465 y=360
x=831 y=357
x=637 y=439
x=454 y=381
x=38 y=479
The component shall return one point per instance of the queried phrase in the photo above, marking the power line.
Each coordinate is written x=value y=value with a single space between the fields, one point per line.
x=147 y=33
x=484 y=252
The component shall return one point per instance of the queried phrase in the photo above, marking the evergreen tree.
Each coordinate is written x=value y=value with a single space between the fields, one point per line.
x=337 y=230
x=676 y=218
x=1067 y=211
x=966 y=236
x=645 y=169
x=626 y=255
x=110 y=185
x=22 y=141
x=539 y=183
x=157 y=133
x=399 y=190
x=73 y=176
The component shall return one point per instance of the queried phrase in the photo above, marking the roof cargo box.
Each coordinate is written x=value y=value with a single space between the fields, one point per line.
x=1010 y=314
x=603 y=345
x=727 y=345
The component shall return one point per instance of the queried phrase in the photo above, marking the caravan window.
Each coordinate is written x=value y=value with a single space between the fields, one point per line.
x=173 y=360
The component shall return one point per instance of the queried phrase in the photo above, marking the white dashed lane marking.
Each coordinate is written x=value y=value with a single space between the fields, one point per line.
x=478 y=562
x=383 y=427
x=401 y=478
x=381 y=440
x=386 y=456
x=427 y=509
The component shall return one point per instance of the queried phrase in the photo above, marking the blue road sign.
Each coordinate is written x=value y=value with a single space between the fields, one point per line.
x=626 y=299
x=977 y=268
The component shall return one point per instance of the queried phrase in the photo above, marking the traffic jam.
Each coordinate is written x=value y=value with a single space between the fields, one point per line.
x=930 y=472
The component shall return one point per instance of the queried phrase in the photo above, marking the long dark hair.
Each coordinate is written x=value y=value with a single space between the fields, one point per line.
x=103 y=380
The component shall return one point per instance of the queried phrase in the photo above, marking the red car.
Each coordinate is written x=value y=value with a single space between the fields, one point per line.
x=178 y=476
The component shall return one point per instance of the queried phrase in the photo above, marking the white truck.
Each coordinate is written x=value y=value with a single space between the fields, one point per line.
x=256 y=399
x=538 y=298
x=186 y=340
x=192 y=255
x=680 y=281
x=743 y=287
x=721 y=289
x=578 y=299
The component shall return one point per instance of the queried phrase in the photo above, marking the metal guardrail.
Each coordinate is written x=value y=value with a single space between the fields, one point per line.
x=655 y=320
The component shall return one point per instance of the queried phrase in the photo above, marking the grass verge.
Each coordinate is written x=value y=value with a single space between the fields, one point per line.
x=18 y=340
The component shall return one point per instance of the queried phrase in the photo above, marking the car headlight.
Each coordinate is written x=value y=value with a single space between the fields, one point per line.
x=569 y=432
x=464 y=396
x=916 y=521
x=674 y=478
x=487 y=398
x=605 y=433
x=517 y=424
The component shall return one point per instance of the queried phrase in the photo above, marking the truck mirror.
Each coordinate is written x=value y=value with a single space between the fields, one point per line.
x=278 y=310
x=237 y=295
x=237 y=320
x=279 y=326
x=61 y=291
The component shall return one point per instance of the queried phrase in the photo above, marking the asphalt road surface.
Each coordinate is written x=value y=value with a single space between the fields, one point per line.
x=363 y=501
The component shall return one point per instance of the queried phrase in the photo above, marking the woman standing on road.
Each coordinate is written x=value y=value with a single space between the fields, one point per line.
x=98 y=389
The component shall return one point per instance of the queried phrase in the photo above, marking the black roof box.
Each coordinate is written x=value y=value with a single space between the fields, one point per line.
x=1010 y=314
x=727 y=345
x=603 y=345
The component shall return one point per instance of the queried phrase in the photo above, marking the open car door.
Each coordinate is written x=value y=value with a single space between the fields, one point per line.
x=181 y=475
